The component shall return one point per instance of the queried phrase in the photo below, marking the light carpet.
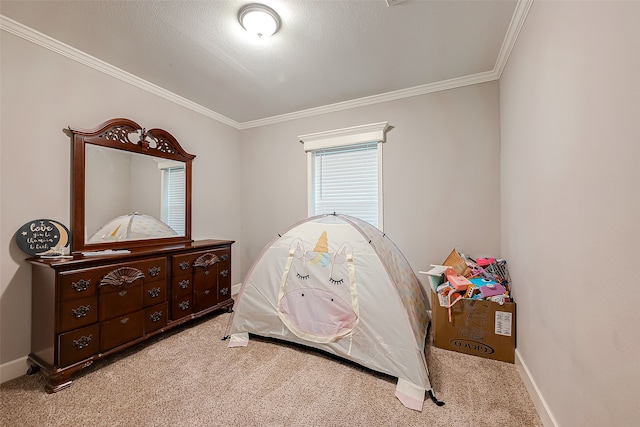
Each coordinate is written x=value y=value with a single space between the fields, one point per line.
x=188 y=377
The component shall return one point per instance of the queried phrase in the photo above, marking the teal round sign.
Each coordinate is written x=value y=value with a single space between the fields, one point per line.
x=40 y=235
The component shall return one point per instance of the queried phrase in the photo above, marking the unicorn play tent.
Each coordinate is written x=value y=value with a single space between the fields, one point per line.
x=338 y=284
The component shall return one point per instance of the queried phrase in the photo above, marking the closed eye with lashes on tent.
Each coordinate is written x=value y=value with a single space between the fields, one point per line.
x=338 y=284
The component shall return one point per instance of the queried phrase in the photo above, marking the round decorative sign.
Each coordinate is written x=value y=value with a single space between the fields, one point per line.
x=41 y=235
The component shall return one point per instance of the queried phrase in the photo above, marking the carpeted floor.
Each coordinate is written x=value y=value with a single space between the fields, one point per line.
x=190 y=378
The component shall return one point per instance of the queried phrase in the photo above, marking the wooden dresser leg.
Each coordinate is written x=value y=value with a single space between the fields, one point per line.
x=59 y=381
x=33 y=369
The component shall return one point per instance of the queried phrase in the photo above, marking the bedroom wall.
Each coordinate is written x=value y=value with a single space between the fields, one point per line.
x=570 y=124
x=440 y=170
x=43 y=93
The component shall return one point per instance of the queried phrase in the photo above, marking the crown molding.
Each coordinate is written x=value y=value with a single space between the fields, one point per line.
x=375 y=99
x=517 y=21
x=60 y=48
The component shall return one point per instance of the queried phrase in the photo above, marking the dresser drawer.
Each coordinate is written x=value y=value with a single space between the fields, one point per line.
x=82 y=283
x=184 y=264
x=154 y=293
x=181 y=264
x=120 y=301
x=182 y=285
x=121 y=329
x=205 y=278
x=155 y=317
x=78 y=345
x=76 y=313
x=182 y=305
x=205 y=299
x=151 y=270
x=78 y=284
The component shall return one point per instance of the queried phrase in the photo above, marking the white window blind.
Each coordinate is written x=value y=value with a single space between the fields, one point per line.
x=173 y=199
x=345 y=181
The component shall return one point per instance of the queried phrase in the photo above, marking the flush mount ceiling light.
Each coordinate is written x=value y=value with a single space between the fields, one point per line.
x=259 y=20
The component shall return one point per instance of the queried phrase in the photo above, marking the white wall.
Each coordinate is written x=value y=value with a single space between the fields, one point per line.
x=43 y=93
x=440 y=170
x=570 y=175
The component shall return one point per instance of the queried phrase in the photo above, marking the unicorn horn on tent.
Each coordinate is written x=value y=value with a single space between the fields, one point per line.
x=323 y=243
x=322 y=250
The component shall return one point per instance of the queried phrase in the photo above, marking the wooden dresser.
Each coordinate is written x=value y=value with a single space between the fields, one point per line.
x=89 y=307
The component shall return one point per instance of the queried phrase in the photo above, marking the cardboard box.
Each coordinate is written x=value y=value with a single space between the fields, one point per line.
x=481 y=328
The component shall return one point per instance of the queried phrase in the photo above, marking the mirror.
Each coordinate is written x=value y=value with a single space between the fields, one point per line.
x=131 y=187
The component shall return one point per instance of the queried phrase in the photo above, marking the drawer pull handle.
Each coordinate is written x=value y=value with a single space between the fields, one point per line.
x=154 y=271
x=183 y=284
x=124 y=320
x=155 y=317
x=224 y=291
x=81 y=285
x=80 y=311
x=122 y=276
x=206 y=260
x=224 y=257
x=184 y=305
x=82 y=342
x=224 y=273
x=122 y=293
x=207 y=292
x=184 y=265
x=154 y=292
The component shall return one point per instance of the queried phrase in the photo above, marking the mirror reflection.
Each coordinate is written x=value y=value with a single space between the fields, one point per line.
x=132 y=196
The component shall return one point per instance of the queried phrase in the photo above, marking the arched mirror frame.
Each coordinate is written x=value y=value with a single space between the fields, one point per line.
x=115 y=133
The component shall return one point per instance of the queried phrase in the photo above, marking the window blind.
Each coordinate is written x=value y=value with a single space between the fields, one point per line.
x=174 y=203
x=345 y=181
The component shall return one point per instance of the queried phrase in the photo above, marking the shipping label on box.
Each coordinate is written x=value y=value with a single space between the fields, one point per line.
x=479 y=327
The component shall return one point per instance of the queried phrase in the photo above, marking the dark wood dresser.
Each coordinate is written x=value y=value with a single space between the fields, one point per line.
x=89 y=307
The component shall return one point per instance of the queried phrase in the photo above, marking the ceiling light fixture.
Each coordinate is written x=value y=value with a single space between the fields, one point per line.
x=259 y=20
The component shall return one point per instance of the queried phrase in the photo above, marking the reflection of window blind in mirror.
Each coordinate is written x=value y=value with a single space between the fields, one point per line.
x=173 y=198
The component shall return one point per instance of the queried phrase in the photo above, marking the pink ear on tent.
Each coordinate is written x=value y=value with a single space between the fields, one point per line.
x=341 y=256
x=299 y=248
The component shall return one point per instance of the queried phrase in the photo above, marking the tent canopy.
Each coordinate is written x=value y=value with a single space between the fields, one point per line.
x=338 y=284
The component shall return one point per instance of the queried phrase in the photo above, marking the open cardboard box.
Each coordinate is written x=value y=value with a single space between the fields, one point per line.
x=478 y=327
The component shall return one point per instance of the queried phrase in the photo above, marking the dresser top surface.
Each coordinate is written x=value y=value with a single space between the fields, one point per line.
x=80 y=260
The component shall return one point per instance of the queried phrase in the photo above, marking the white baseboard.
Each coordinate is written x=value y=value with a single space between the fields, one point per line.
x=534 y=392
x=235 y=289
x=13 y=369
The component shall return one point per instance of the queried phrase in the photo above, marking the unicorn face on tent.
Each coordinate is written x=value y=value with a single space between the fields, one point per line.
x=317 y=293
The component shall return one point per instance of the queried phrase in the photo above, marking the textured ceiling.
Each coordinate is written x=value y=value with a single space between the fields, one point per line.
x=326 y=52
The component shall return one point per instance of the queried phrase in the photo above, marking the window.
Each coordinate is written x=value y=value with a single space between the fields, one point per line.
x=345 y=172
x=173 y=198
